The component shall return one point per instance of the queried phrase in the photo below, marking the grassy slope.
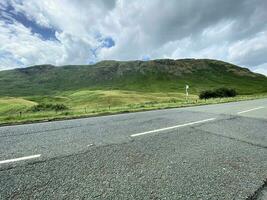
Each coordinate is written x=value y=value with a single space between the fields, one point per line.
x=110 y=87
x=150 y=76
x=87 y=103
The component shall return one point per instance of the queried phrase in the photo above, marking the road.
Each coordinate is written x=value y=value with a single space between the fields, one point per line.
x=204 y=152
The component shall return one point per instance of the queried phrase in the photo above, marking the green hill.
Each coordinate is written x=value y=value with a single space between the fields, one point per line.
x=40 y=92
x=154 y=76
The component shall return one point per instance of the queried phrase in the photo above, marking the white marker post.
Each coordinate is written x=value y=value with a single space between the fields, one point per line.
x=186 y=91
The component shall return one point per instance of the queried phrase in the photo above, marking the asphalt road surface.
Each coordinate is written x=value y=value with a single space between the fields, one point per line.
x=204 y=152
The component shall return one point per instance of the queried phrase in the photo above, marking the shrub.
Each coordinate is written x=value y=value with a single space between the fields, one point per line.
x=48 y=107
x=220 y=92
x=207 y=94
x=66 y=113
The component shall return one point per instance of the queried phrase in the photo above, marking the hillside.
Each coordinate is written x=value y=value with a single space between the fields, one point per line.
x=153 y=76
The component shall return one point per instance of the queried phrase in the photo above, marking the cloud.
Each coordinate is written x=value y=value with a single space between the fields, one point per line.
x=250 y=51
x=80 y=32
x=262 y=69
x=26 y=48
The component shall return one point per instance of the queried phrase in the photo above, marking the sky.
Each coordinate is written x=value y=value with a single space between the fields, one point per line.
x=61 y=32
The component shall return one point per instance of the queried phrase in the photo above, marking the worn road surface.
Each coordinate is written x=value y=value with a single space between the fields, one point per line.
x=205 y=152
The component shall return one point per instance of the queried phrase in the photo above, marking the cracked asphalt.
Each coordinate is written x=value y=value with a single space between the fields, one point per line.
x=97 y=158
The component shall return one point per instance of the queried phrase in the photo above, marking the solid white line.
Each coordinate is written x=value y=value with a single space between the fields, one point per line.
x=172 y=127
x=250 y=110
x=20 y=159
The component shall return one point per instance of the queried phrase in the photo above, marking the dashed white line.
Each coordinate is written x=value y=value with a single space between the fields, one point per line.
x=172 y=127
x=245 y=111
x=20 y=159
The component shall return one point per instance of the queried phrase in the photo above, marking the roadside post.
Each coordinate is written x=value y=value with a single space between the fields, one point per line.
x=186 y=91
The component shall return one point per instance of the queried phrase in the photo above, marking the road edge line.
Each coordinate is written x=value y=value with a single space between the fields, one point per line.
x=172 y=127
x=20 y=159
x=245 y=111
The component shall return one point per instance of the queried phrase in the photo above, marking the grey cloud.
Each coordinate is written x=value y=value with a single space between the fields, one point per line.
x=162 y=22
x=231 y=30
x=172 y=20
x=104 y=4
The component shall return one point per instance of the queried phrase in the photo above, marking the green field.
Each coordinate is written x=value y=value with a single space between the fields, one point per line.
x=113 y=87
x=98 y=102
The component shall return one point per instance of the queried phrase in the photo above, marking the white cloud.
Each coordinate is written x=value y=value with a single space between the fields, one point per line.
x=233 y=31
x=262 y=69
x=25 y=47
x=250 y=51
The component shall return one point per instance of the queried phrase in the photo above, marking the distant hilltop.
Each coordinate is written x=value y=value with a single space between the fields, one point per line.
x=155 y=75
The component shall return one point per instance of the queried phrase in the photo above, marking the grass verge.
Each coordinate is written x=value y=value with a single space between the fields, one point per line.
x=86 y=103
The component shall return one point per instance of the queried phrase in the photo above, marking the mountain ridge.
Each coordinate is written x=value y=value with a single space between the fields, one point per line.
x=152 y=75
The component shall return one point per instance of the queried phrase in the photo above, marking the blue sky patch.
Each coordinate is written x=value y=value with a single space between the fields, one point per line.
x=105 y=42
x=9 y=15
x=145 y=57
x=108 y=42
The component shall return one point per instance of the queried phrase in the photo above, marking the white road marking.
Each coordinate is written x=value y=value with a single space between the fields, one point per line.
x=172 y=127
x=19 y=159
x=245 y=111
